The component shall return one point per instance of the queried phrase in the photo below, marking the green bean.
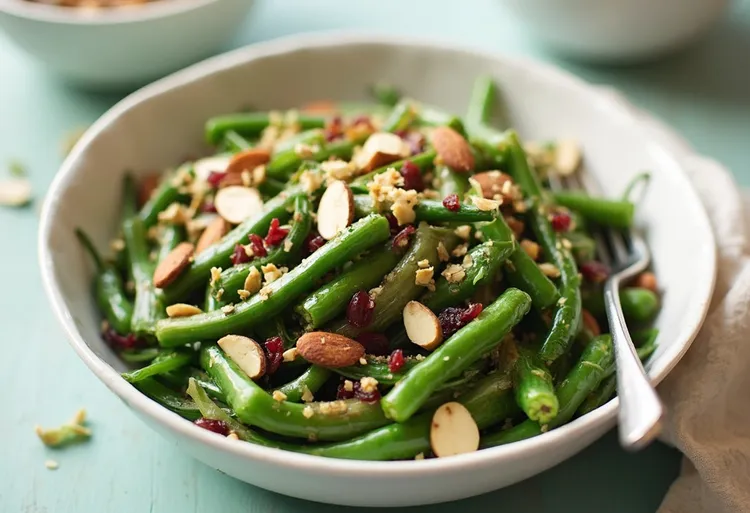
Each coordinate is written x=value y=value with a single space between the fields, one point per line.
x=232 y=279
x=331 y=299
x=521 y=270
x=165 y=362
x=452 y=182
x=583 y=246
x=338 y=420
x=385 y=94
x=432 y=116
x=377 y=367
x=481 y=101
x=179 y=379
x=490 y=401
x=166 y=194
x=234 y=142
x=534 y=389
x=456 y=354
x=129 y=197
x=148 y=307
x=423 y=161
x=567 y=314
x=284 y=164
x=618 y=214
x=401 y=117
x=580 y=381
x=172 y=235
x=219 y=254
x=486 y=260
x=275 y=297
x=313 y=137
x=431 y=211
x=638 y=304
x=168 y=398
x=110 y=295
x=251 y=124
x=270 y=188
x=210 y=303
x=145 y=354
x=312 y=379
x=399 y=287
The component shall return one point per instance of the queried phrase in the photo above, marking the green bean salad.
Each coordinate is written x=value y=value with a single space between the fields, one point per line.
x=374 y=282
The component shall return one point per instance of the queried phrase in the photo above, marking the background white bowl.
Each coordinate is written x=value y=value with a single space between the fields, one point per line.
x=615 y=31
x=121 y=47
x=153 y=128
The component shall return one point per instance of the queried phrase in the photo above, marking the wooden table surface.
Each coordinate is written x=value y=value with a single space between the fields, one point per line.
x=703 y=92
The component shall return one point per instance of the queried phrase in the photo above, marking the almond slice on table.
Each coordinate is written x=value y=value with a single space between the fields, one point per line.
x=246 y=353
x=212 y=234
x=248 y=160
x=329 y=349
x=380 y=149
x=236 y=203
x=336 y=209
x=422 y=326
x=493 y=183
x=453 y=431
x=453 y=149
x=173 y=264
x=15 y=192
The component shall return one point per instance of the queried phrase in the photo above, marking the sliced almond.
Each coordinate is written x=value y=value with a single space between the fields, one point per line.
x=453 y=149
x=182 y=310
x=329 y=349
x=146 y=187
x=212 y=234
x=590 y=322
x=236 y=203
x=453 y=431
x=380 y=149
x=248 y=160
x=567 y=156
x=246 y=353
x=15 y=192
x=336 y=209
x=173 y=264
x=204 y=167
x=493 y=185
x=422 y=326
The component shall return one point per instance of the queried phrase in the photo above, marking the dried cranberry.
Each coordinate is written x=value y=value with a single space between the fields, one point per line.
x=239 y=256
x=313 y=243
x=360 y=309
x=451 y=202
x=393 y=223
x=374 y=343
x=334 y=128
x=274 y=354
x=217 y=426
x=454 y=318
x=396 y=360
x=401 y=240
x=412 y=176
x=560 y=222
x=208 y=207
x=275 y=233
x=256 y=244
x=121 y=342
x=594 y=271
x=215 y=178
x=366 y=397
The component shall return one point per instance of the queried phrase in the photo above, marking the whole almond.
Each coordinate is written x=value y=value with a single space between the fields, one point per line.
x=212 y=234
x=329 y=349
x=248 y=160
x=453 y=149
x=493 y=185
x=173 y=264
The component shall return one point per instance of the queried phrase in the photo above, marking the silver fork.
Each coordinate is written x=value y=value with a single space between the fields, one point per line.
x=626 y=255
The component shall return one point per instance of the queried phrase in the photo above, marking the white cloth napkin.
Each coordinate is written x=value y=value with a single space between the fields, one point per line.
x=708 y=414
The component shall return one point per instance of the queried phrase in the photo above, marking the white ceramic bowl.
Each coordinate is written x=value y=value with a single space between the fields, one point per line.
x=615 y=31
x=153 y=129
x=121 y=47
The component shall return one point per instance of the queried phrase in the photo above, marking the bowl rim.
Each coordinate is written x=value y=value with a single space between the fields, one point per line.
x=673 y=145
x=101 y=16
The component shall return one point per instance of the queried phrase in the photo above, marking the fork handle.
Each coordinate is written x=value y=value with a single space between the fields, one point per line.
x=640 y=411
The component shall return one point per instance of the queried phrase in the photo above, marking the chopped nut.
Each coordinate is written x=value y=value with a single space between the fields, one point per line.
x=253 y=281
x=374 y=293
x=454 y=273
x=288 y=244
x=531 y=248
x=446 y=358
x=215 y=275
x=290 y=355
x=363 y=361
x=51 y=464
x=244 y=294
x=307 y=396
x=348 y=386
x=308 y=412
x=182 y=310
x=422 y=264
x=442 y=252
x=218 y=294
x=232 y=436
x=265 y=293
x=567 y=156
x=176 y=213
x=460 y=250
x=549 y=270
x=419 y=357
x=424 y=276
x=338 y=170
x=117 y=245
x=419 y=456
x=403 y=205
x=310 y=181
x=485 y=204
x=463 y=231
x=278 y=395
x=227 y=309
x=368 y=384
x=468 y=262
x=271 y=273
x=305 y=151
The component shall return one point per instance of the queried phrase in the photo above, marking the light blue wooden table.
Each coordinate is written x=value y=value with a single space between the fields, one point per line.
x=704 y=92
